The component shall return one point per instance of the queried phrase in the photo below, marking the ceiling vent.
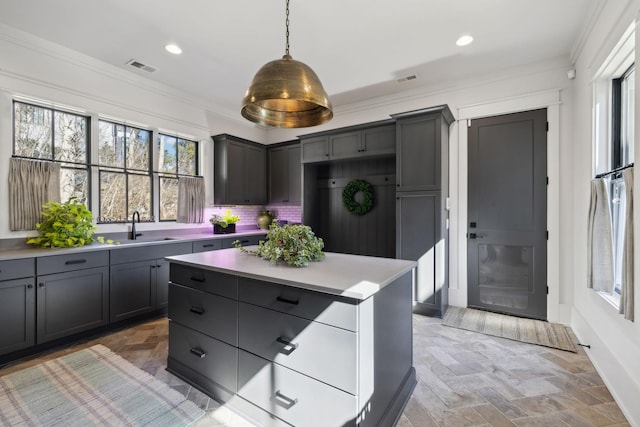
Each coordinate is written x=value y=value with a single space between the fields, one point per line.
x=406 y=78
x=142 y=66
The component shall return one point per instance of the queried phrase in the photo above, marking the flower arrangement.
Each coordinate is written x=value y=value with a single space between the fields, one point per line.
x=294 y=244
x=224 y=220
x=225 y=223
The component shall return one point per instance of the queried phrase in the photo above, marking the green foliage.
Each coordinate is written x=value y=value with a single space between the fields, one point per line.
x=65 y=225
x=294 y=244
x=224 y=220
x=348 y=197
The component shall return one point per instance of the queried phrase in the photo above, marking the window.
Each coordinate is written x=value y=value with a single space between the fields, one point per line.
x=60 y=136
x=176 y=157
x=622 y=103
x=614 y=93
x=125 y=172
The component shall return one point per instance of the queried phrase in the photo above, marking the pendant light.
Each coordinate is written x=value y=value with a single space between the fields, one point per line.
x=286 y=93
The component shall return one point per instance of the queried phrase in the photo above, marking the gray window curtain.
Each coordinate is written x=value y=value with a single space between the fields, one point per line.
x=32 y=183
x=191 y=199
x=626 y=294
x=599 y=239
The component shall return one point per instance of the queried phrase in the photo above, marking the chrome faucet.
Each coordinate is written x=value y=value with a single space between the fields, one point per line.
x=135 y=235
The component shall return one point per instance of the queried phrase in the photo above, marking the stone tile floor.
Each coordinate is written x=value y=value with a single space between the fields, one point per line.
x=464 y=379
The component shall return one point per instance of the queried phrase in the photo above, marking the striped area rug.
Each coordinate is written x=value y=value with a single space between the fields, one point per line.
x=530 y=331
x=91 y=387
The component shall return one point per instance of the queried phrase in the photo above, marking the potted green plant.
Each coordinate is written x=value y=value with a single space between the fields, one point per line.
x=65 y=225
x=295 y=245
x=225 y=223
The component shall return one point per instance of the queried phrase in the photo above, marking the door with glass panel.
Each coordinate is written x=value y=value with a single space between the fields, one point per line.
x=507 y=213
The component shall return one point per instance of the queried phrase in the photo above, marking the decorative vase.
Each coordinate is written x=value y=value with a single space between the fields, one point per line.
x=217 y=229
x=264 y=220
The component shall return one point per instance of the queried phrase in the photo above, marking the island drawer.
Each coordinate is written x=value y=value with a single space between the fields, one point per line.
x=291 y=396
x=330 y=309
x=207 y=245
x=71 y=262
x=210 y=314
x=213 y=282
x=17 y=268
x=315 y=349
x=209 y=357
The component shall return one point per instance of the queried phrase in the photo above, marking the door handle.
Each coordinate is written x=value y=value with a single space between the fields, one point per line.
x=475 y=236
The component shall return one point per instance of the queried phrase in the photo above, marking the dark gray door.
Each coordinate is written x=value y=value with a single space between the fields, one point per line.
x=507 y=246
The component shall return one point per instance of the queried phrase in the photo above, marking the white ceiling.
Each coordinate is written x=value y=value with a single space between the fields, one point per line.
x=358 y=48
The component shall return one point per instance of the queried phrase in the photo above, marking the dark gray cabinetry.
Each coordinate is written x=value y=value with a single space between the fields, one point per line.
x=422 y=158
x=285 y=174
x=239 y=171
x=17 y=305
x=72 y=294
x=139 y=279
x=374 y=140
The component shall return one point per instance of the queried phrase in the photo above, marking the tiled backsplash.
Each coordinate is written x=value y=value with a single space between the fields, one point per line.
x=249 y=214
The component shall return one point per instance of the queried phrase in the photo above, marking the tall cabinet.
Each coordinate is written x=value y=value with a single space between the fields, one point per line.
x=422 y=189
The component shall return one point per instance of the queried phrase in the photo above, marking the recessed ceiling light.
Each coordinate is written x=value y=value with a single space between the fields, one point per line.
x=173 y=48
x=464 y=40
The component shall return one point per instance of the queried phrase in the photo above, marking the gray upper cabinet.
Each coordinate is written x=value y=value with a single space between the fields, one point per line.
x=239 y=171
x=315 y=149
x=373 y=140
x=345 y=145
x=285 y=174
x=419 y=138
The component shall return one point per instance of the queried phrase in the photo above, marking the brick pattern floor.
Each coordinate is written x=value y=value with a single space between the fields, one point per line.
x=464 y=379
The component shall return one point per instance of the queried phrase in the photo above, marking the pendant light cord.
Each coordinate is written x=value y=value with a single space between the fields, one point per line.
x=287 y=33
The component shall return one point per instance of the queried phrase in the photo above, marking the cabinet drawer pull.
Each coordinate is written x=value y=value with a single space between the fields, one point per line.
x=287 y=300
x=198 y=352
x=208 y=246
x=287 y=343
x=197 y=310
x=244 y=241
x=284 y=401
x=75 y=261
x=197 y=279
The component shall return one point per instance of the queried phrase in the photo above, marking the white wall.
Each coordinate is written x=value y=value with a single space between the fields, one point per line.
x=34 y=68
x=615 y=342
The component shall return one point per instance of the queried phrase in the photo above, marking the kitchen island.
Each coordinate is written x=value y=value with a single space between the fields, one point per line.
x=329 y=344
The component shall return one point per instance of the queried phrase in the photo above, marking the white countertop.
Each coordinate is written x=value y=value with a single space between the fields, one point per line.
x=160 y=238
x=352 y=276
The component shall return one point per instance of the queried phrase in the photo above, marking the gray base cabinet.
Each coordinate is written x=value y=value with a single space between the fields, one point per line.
x=17 y=305
x=17 y=309
x=139 y=279
x=72 y=294
x=301 y=358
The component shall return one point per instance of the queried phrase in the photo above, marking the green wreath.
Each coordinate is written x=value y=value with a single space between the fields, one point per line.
x=348 y=197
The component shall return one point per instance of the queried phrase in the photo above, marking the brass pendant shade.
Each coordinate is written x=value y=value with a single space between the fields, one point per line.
x=286 y=93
